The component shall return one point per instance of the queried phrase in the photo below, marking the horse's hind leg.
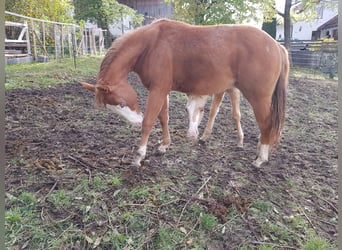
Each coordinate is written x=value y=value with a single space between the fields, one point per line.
x=214 y=109
x=234 y=94
x=262 y=114
x=164 y=121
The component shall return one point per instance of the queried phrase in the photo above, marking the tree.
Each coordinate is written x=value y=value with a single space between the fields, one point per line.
x=58 y=10
x=104 y=12
x=218 y=11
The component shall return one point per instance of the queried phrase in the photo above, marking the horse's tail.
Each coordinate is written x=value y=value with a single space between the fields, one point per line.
x=278 y=104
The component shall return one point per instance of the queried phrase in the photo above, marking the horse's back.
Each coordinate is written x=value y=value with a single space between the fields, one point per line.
x=210 y=59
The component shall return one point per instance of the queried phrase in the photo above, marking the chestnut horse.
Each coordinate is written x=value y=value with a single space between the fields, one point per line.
x=196 y=60
x=195 y=108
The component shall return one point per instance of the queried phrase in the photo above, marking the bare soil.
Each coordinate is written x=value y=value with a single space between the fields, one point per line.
x=55 y=137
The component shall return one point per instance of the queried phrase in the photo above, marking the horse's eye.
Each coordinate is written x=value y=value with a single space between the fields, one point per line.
x=187 y=111
x=122 y=105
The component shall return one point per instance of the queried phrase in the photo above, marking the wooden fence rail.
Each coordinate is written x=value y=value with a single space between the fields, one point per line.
x=320 y=55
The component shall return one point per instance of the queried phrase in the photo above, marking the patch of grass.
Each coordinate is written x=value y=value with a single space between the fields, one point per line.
x=314 y=242
x=300 y=72
x=139 y=193
x=262 y=206
x=167 y=237
x=264 y=247
x=298 y=223
x=83 y=186
x=60 y=199
x=13 y=215
x=29 y=199
x=114 y=240
x=98 y=183
x=51 y=73
x=20 y=217
x=116 y=181
x=208 y=222
x=276 y=232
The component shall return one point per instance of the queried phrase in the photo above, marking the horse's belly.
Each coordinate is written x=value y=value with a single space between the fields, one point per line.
x=204 y=87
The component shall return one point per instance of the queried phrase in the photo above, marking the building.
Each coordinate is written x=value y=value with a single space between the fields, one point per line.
x=151 y=9
x=313 y=29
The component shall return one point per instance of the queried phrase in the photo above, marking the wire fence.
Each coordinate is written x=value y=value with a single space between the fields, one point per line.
x=41 y=40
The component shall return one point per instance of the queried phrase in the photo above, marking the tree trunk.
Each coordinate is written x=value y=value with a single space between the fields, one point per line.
x=287 y=27
x=287 y=24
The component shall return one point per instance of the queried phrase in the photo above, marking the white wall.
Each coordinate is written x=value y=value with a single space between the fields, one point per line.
x=116 y=28
x=303 y=30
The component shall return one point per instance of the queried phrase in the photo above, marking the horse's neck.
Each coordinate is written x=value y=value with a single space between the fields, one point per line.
x=125 y=60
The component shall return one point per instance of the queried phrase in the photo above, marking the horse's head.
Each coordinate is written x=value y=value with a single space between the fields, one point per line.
x=120 y=98
x=195 y=107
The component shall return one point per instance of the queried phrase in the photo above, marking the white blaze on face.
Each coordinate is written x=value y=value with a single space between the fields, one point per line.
x=126 y=112
x=195 y=106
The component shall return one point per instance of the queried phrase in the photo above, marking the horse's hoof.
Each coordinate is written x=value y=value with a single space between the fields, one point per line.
x=137 y=162
x=162 y=148
x=240 y=145
x=258 y=162
x=202 y=141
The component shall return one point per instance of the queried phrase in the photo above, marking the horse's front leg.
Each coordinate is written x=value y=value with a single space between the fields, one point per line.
x=164 y=121
x=154 y=105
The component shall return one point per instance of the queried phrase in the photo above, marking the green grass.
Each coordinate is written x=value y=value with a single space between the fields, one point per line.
x=40 y=75
x=208 y=222
x=60 y=199
x=315 y=74
x=314 y=242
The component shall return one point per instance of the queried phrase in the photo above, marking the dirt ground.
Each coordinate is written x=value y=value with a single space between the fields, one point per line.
x=51 y=131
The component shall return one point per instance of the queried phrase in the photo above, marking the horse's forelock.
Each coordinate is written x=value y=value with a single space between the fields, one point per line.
x=99 y=99
x=100 y=90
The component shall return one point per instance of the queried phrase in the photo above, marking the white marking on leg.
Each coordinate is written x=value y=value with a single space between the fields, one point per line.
x=127 y=113
x=162 y=148
x=195 y=107
x=262 y=156
x=141 y=153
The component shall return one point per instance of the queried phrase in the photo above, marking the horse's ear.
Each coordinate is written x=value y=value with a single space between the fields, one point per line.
x=103 y=88
x=88 y=86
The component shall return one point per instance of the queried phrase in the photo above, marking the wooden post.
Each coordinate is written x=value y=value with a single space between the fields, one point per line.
x=62 y=40
x=69 y=41
x=86 y=40
x=75 y=38
x=44 y=41
x=93 y=41
x=101 y=42
x=55 y=34
x=81 y=46
x=28 y=39
x=34 y=42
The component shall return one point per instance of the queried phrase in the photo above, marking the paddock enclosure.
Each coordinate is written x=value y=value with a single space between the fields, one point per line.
x=56 y=140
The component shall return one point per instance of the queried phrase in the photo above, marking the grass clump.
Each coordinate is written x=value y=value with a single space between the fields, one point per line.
x=208 y=222
x=60 y=199
x=314 y=242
